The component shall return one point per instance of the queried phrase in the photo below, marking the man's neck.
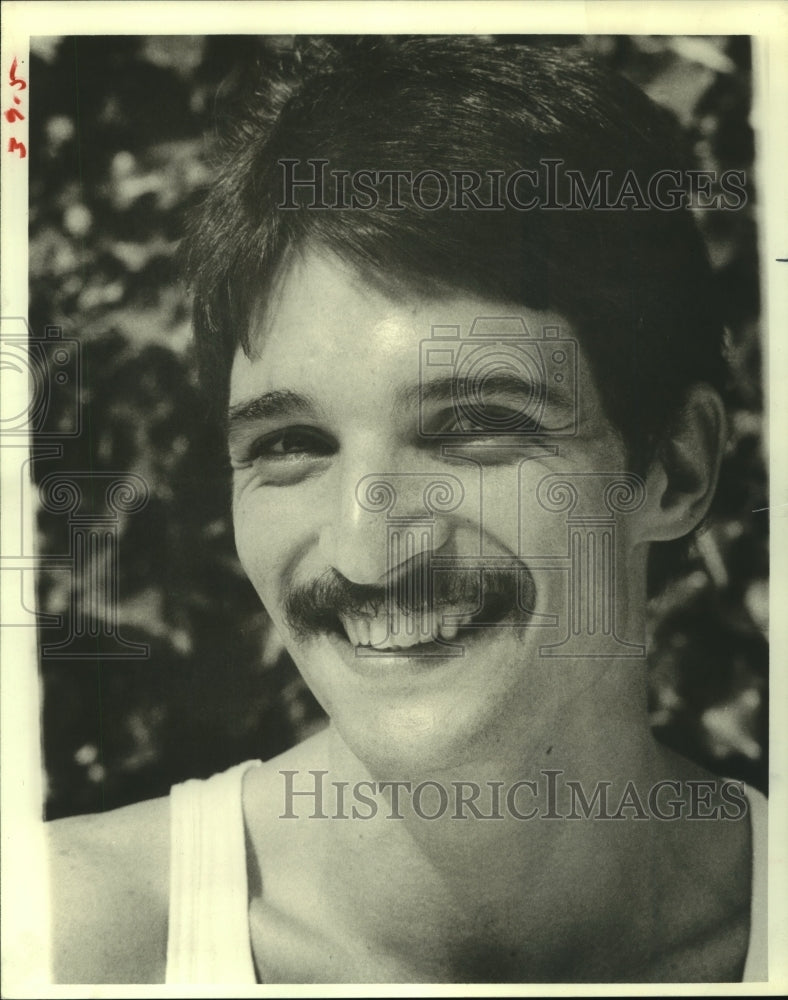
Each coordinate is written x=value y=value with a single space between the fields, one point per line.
x=437 y=898
x=429 y=851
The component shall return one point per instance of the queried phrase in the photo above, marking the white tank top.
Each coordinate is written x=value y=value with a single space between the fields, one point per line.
x=208 y=940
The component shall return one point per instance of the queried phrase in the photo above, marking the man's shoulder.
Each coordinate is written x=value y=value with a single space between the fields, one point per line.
x=110 y=879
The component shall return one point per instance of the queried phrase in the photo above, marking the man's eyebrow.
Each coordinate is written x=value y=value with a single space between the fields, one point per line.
x=277 y=403
x=448 y=387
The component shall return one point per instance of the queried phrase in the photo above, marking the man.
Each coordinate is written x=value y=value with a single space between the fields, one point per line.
x=452 y=305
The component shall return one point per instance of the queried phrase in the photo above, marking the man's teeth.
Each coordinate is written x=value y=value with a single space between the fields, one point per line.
x=399 y=631
x=449 y=631
x=378 y=632
x=357 y=630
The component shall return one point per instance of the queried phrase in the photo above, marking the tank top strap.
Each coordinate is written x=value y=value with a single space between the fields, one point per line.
x=756 y=969
x=208 y=936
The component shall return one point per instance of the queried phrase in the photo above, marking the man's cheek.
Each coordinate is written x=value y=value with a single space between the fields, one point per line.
x=255 y=559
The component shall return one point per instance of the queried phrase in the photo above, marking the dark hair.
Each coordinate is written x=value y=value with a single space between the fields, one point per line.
x=634 y=282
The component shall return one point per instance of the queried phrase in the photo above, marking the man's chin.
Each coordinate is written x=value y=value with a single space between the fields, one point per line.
x=425 y=708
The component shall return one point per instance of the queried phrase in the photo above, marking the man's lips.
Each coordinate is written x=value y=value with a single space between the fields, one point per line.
x=384 y=631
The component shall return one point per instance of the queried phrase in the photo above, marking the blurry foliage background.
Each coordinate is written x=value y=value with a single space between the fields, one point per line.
x=119 y=151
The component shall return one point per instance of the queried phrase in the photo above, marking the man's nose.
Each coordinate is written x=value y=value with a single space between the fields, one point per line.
x=381 y=521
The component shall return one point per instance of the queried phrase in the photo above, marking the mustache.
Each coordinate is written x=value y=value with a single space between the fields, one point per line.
x=493 y=592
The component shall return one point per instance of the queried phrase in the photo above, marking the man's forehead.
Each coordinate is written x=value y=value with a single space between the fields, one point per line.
x=317 y=286
x=322 y=320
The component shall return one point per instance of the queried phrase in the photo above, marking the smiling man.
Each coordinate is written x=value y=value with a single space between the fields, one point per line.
x=317 y=422
x=454 y=310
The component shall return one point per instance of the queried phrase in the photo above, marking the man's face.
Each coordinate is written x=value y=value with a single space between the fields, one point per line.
x=401 y=546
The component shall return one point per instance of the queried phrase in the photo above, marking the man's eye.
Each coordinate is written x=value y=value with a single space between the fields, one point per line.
x=487 y=422
x=291 y=442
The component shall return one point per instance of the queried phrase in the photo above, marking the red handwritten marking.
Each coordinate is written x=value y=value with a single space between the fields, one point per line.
x=12 y=115
x=14 y=79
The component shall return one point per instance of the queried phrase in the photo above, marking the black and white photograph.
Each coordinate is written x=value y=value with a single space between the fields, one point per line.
x=391 y=497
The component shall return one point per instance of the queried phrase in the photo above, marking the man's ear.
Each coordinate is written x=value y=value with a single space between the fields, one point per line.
x=682 y=478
